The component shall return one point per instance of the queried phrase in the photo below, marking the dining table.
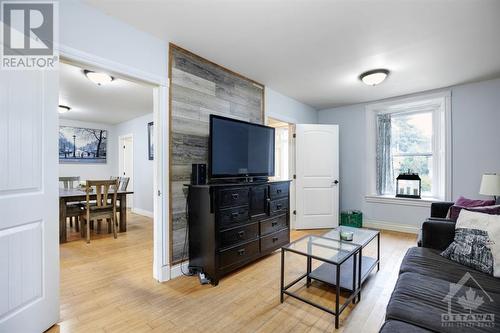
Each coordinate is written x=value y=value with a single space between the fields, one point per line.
x=79 y=195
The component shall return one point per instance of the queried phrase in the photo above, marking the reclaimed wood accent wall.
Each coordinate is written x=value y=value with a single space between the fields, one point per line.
x=199 y=88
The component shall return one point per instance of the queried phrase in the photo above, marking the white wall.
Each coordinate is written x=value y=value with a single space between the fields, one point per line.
x=475 y=142
x=88 y=30
x=143 y=167
x=92 y=171
x=286 y=109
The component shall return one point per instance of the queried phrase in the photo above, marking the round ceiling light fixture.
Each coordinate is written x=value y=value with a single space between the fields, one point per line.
x=98 y=78
x=63 y=108
x=374 y=77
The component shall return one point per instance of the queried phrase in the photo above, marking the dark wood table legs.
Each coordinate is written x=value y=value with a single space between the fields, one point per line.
x=123 y=212
x=62 y=221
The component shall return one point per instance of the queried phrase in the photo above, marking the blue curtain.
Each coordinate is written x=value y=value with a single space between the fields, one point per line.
x=385 y=176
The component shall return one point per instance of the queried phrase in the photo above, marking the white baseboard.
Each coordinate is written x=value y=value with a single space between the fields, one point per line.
x=164 y=274
x=384 y=225
x=175 y=271
x=143 y=212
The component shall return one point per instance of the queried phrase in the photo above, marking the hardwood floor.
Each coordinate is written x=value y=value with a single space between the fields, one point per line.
x=107 y=286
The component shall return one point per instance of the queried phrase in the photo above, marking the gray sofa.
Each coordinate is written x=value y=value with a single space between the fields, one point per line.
x=420 y=298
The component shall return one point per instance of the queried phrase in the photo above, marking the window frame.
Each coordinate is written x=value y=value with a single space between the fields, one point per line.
x=440 y=105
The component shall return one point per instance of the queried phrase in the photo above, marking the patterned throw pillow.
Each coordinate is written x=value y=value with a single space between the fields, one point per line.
x=470 y=248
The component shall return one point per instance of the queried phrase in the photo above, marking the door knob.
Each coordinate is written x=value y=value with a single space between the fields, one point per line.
x=335 y=182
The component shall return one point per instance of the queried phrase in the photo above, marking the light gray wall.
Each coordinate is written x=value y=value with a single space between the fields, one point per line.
x=287 y=109
x=476 y=134
x=475 y=142
x=143 y=167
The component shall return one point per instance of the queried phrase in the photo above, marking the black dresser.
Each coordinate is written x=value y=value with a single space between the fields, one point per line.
x=231 y=225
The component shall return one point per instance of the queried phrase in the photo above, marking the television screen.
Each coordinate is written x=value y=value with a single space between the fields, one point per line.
x=240 y=149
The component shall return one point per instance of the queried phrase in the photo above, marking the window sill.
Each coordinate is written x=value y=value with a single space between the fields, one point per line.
x=385 y=199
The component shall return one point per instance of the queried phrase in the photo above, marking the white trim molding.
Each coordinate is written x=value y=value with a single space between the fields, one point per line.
x=163 y=274
x=440 y=104
x=176 y=270
x=391 y=200
x=143 y=212
x=391 y=226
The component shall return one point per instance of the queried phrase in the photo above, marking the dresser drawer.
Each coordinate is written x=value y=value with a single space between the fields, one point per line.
x=274 y=241
x=232 y=197
x=239 y=235
x=233 y=217
x=278 y=205
x=278 y=190
x=272 y=225
x=238 y=254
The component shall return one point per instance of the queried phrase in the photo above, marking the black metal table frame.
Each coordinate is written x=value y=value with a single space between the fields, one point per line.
x=355 y=295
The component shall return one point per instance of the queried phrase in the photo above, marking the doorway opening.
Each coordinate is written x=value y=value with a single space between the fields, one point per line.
x=282 y=148
x=106 y=132
x=126 y=163
x=284 y=157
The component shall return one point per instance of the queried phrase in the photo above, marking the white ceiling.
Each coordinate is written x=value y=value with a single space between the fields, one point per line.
x=116 y=102
x=314 y=50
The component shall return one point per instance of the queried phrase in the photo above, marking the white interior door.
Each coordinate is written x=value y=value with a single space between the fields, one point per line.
x=29 y=227
x=127 y=164
x=317 y=176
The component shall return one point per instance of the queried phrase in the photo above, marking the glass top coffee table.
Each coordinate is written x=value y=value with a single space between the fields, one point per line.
x=329 y=251
x=343 y=265
x=361 y=237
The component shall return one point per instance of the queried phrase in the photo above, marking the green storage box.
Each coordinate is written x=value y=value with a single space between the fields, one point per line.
x=351 y=218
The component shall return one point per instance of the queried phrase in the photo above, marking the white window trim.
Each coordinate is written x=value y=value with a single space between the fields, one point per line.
x=444 y=98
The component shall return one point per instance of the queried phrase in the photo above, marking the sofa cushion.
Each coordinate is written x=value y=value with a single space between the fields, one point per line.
x=464 y=202
x=429 y=262
x=396 y=326
x=422 y=301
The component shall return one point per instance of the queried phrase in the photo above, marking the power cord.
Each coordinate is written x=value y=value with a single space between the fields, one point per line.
x=184 y=255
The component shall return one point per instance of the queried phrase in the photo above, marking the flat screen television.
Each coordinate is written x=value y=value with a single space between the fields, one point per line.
x=239 y=149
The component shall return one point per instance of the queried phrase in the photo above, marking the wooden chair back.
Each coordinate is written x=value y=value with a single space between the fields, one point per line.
x=69 y=182
x=122 y=183
x=102 y=191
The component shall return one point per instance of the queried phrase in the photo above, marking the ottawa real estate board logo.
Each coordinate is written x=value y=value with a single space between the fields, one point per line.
x=29 y=36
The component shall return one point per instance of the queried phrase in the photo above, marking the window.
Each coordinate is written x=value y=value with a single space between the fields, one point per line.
x=410 y=135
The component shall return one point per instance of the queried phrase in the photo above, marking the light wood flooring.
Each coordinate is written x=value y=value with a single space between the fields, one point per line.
x=107 y=286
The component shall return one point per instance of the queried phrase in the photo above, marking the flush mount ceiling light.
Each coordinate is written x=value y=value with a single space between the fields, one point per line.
x=63 y=108
x=98 y=78
x=374 y=77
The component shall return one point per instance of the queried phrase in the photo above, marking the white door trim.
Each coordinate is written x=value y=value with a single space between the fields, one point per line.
x=160 y=233
x=121 y=165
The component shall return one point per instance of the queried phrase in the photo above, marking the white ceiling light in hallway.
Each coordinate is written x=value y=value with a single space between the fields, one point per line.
x=98 y=78
x=63 y=108
x=374 y=77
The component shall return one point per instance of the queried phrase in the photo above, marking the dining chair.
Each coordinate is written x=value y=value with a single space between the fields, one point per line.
x=73 y=209
x=103 y=207
x=123 y=182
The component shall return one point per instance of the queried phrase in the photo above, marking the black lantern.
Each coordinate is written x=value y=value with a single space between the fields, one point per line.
x=409 y=185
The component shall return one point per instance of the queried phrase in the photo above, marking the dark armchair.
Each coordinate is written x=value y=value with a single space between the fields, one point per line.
x=438 y=232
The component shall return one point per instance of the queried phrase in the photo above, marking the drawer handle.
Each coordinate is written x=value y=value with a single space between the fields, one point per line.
x=278 y=206
x=273 y=224
x=278 y=191
x=241 y=234
x=235 y=196
x=275 y=239
x=234 y=215
x=241 y=252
